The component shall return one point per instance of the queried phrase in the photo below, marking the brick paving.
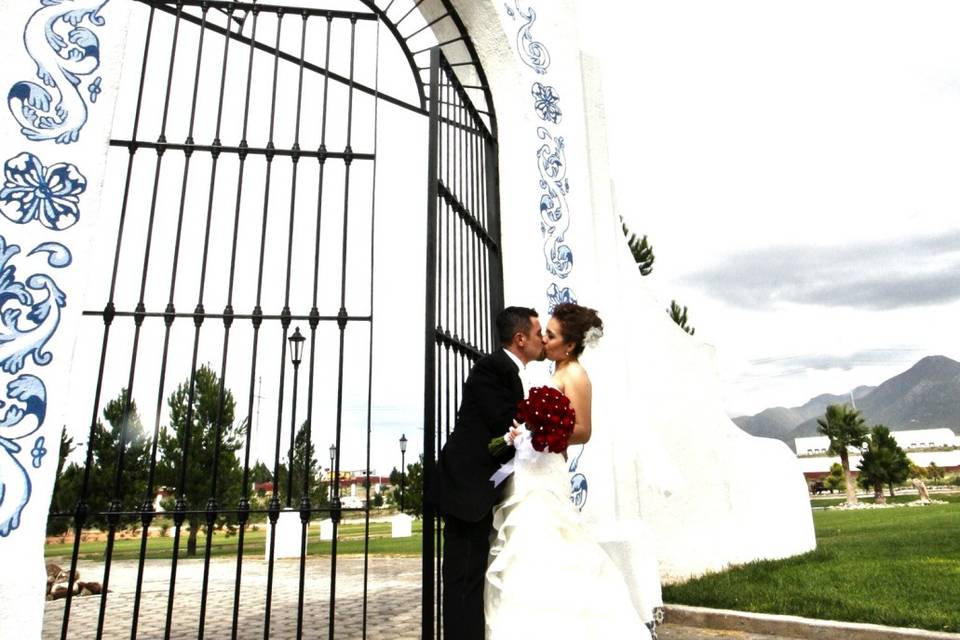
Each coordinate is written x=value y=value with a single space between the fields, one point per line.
x=393 y=597
x=393 y=600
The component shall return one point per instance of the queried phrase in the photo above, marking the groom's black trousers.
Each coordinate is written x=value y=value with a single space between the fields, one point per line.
x=465 y=549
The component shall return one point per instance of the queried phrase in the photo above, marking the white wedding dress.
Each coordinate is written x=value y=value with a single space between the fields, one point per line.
x=546 y=577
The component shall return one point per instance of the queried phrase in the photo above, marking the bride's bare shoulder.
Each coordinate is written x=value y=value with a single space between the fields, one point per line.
x=574 y=375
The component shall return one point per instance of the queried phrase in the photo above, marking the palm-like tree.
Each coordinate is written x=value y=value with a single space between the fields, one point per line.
x=845 y=428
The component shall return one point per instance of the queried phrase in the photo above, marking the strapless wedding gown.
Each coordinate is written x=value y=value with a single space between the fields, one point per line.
x=546 y=577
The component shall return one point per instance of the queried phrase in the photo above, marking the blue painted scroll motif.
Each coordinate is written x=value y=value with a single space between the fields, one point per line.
x=578 y=482
x=23 y=338
x=533 y=53
x=64 y=52
x=554 y=212
x=554 y=186
x=60 y=40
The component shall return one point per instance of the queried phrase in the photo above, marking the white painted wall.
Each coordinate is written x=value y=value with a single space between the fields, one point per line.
x=664 y=460
x=53 y=145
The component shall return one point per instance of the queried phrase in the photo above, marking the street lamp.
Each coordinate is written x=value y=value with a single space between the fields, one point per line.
x=333 y=454
x=403 y=468
x=296 y=353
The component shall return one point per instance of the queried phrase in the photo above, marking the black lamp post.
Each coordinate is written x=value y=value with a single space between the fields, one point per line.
x=333 y=454
x=403 y=468
x=296 y=354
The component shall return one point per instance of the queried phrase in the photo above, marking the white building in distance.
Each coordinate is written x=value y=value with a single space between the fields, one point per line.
x=924 y=446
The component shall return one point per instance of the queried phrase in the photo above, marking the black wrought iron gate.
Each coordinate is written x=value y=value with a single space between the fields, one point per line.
x=242 y=246
x=464 y=282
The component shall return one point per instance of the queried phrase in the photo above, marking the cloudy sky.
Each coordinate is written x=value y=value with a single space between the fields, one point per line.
x=792 y=162
x=795 y=166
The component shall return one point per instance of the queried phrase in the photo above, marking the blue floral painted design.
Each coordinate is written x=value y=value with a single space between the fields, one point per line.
x=556 y=295
x=546 y=102
x=38 y=452
x=34 y=192
x=94 y=89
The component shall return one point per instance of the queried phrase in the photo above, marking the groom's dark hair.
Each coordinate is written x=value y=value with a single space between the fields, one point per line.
x=512 y=320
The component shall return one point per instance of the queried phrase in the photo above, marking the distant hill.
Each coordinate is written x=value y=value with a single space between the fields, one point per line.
x=778 y=422
x=925 y=396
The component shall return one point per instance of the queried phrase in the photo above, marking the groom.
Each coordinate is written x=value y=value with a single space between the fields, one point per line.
x=462 y=490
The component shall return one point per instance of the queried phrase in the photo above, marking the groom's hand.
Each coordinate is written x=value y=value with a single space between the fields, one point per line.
x=513 y=433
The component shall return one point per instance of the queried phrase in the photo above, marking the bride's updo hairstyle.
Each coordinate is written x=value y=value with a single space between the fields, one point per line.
x=579 y=325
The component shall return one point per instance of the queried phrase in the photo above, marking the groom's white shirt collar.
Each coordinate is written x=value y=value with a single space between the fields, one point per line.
x=516 y=361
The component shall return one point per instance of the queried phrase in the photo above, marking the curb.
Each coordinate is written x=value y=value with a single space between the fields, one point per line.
x=792 y=626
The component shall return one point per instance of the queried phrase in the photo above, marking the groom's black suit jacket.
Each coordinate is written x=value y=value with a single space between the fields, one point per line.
x=462 y=486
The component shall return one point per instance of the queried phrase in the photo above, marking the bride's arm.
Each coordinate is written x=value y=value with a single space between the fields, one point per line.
x=577 y=388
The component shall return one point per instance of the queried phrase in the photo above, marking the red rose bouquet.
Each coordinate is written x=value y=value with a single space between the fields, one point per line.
x=547 y=415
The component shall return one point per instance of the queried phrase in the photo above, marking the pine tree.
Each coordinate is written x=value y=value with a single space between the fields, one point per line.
x=883 y=463
x=641 y=249
x=303 y=450
x=412 y=487
x=679 y=316
x=835 y=481
x=103 y=487
x=66 y=487
x=207 y=457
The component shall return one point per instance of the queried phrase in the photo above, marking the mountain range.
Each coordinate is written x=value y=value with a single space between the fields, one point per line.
x=925 y=396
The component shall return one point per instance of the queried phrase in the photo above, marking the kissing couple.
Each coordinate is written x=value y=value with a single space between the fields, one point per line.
x=517 y=560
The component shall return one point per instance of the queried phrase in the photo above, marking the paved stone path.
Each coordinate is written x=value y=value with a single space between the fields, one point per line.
x=393 y=600
x=393 y=597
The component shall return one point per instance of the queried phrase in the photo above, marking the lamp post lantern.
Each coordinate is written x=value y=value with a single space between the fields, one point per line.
x=333 y=454
x=296 y=354
x=403 y=468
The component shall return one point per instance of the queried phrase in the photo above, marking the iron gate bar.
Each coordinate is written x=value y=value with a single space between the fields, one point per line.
x=402 y=41
x=171 y=315
x=430 y=395
x=427 y=26
x=147 y=507
x=244 y=505
x=314 y=321
x=373 y=226
x=230 y=6
x=335 y=512
x=217 y=149
x=163 y=5
x=304 y=508
x=462 y=251
x=284 y=323
x=180 y=506
x=466 y=216
x=407 y=14
x=451 y=77
x=212 y=505
x=81 y=510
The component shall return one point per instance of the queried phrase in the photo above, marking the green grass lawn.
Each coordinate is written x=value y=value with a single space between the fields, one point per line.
x=897 y=567
x=349 y=540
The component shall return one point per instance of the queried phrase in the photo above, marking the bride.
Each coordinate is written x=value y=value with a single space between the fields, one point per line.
x=546 y=578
